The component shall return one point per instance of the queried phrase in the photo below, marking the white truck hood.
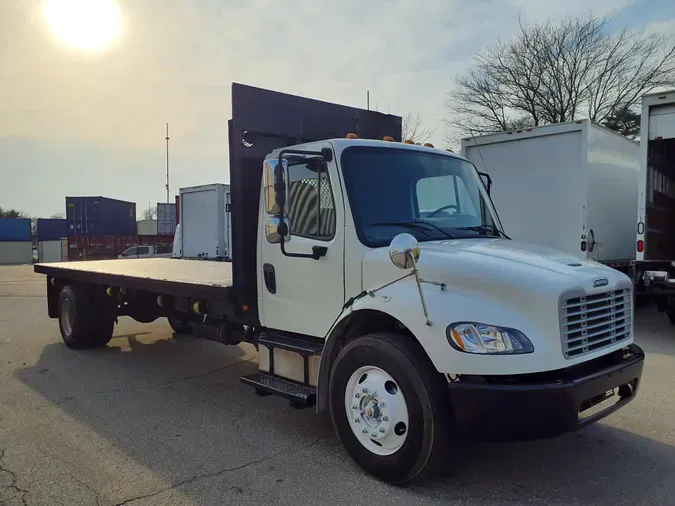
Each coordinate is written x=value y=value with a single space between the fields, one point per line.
x=523 y=254
x=499 y=282
x=490 y=263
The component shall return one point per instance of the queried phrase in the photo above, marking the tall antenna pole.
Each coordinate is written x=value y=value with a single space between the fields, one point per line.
x=167 y=163
x=368 y=99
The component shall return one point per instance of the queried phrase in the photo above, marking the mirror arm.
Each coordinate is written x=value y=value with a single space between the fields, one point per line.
x=317 y=251
x=419 y=289
x=489 y=180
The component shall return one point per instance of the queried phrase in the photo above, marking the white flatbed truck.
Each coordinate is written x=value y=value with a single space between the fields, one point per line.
x=377 y=284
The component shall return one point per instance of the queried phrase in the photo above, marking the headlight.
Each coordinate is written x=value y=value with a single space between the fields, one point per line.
x=487 y=339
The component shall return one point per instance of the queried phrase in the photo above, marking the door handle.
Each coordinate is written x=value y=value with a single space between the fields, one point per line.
x=270 y=278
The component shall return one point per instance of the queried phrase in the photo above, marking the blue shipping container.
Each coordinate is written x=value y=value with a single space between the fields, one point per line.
x=14 y=229
x=51 y=229
x=100 y=216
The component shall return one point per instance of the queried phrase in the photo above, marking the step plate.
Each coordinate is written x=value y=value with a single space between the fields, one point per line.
x=301 y=346
x=282 y=387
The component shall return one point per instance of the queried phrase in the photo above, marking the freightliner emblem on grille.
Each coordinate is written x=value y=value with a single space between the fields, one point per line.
x=600 y=282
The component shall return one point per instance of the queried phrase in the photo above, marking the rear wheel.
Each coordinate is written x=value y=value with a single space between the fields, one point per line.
x=179 y=326
x=86 y=317
x=390 y=408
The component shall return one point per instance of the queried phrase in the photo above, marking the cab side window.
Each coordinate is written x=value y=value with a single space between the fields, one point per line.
x=311 y=208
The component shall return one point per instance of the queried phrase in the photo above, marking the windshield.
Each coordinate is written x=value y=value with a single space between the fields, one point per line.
x=429 y=195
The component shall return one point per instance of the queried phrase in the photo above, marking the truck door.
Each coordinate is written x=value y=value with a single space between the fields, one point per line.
x=304 y=295
x=264 y=120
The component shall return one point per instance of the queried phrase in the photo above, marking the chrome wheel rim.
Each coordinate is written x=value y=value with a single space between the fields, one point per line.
x=66 y=317
x=377 y=410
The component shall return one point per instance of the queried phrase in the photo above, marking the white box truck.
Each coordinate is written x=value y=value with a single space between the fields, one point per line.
x=655 y=230
x=574 y=187
x=407 y=322
x=569 y=186
x=205 y=222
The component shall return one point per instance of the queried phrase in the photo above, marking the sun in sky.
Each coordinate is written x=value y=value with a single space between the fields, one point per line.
x=85 y=25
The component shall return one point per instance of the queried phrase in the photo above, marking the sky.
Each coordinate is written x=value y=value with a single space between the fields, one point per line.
x=79 y=122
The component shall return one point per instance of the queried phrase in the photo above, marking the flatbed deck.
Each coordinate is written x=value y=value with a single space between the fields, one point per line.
x=167 y=276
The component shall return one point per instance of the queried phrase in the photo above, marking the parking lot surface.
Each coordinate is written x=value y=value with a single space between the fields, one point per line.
x=155 y=419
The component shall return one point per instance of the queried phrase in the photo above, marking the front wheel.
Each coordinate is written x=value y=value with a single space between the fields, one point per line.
x=390 y=408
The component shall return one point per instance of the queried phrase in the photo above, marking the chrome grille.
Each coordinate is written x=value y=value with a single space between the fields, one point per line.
x=592 y=322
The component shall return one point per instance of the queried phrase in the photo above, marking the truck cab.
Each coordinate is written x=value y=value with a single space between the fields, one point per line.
x=400 y=245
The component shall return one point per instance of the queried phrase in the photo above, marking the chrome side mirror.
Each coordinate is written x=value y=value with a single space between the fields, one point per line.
x=272 y=230
x=404 y=251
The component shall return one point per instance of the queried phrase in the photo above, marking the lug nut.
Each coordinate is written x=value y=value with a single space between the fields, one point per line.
x=355 y=406
x=365 y=390
x=357 y=420
x=374 y=434
x=365 y=431
x=385 y=418
x=357 y=395
x=382 y=430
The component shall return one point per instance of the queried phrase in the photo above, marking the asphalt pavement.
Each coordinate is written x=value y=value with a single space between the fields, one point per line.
x=155 y=419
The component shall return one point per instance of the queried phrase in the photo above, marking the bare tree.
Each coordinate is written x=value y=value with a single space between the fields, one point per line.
x=552 y=73
x=57 y=216
x=414 y=129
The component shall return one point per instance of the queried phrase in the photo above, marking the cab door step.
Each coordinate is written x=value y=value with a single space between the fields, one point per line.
x=301 y=396
x=302 y=345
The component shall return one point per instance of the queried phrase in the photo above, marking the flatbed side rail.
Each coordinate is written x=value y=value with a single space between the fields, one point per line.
x=151 y=285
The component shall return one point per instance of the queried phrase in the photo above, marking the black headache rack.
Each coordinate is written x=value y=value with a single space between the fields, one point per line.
x=262 y=121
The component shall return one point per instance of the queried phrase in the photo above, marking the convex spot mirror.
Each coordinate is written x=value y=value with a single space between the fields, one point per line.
x=404 y=251
x=273 y=229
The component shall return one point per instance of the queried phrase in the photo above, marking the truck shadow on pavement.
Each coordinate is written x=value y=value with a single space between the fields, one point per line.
x=169 y=421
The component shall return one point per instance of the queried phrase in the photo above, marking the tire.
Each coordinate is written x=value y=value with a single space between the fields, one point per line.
x=106 y=317
x=402 y=456
x=85 y=319
x=670 y=312
x=179 y=326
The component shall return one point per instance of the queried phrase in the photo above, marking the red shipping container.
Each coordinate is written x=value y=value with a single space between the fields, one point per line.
x=155 y=240
x=98 y=247
x=177 y=209
x=101 y=247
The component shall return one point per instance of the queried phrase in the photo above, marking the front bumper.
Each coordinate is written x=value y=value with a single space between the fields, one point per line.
x=544 y=405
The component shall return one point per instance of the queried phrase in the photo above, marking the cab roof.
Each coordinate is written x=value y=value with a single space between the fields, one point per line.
x=340 y=144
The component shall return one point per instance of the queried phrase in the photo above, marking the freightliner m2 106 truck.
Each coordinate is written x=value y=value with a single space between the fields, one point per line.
x=377 y=284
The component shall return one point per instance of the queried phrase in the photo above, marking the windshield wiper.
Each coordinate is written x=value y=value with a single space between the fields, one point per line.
x=486 y=228
x=416 y=224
